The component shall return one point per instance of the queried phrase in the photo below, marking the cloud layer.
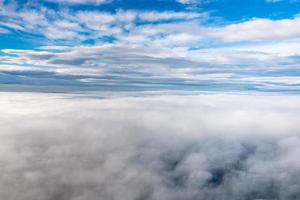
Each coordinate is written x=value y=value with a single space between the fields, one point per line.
x=139 y=66
x=209 y=146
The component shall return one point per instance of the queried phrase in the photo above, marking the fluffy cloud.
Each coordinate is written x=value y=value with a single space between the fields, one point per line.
x=80 y=25
x=205 y=146
x=259 y=30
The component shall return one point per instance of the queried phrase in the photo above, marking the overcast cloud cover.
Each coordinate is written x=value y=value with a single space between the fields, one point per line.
x=149 y=147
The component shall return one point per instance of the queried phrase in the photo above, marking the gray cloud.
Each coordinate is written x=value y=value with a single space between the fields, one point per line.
x=116 y=64
x=209 y=146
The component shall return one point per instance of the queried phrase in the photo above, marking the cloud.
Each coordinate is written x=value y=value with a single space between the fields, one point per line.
x=273 y=1
x=284 y=47
x=189 y=1
x=151 y=47
x=95 y=2
x=259 y=30
x=276 y=1
x=159 y=16
x=114 y=65
x=185 y=1
x=76 y=26
x=209 y=146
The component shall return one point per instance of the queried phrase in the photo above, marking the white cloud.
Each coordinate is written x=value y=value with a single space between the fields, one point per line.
x=77 y=26
x=98 y=23
x=82 y=25
x=4 y=68
x=187 y=1
x=259 y=30
x=96 y=2
x=283 y=48
x=173 y=147
x=159 y=16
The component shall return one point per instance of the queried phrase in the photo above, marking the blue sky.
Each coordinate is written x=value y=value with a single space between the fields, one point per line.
x=223 y=45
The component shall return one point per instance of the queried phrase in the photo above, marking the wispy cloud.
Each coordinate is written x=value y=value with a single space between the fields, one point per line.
x=95 y=2
x=117 y=64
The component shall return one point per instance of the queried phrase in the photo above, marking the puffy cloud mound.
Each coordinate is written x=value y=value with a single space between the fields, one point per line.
x=171 y=147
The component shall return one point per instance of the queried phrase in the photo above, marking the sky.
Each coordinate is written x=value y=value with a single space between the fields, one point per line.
x=149 y=99
x=203 y=45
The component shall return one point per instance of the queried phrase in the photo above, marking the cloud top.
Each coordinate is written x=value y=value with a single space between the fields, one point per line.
x=172 y=147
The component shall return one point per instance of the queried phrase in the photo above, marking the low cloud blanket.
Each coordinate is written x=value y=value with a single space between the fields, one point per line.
x=149 y=147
